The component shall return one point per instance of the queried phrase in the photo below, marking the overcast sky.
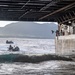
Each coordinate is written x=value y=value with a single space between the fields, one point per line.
x=4 y=23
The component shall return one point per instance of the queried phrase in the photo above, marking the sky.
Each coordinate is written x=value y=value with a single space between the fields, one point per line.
x=45 y=22
x=4 y=23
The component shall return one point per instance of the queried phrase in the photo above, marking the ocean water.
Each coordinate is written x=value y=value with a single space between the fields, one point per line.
x=29 y=46
x=34 y=47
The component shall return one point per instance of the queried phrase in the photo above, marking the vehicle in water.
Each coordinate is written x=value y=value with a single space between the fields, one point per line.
x=13 y=48
x=9 y=42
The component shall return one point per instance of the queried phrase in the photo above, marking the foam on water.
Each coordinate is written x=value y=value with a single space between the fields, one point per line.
x=34 y=46
x=29 y=46
x=48 y=67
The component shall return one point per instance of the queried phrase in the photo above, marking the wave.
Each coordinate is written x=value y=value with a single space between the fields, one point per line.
x=30 y=59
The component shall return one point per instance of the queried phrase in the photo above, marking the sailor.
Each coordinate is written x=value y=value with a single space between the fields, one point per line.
x=10 y=48
x=6 y=41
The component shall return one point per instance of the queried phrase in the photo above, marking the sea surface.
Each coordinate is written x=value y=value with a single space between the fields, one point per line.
x=34 y=47
x=29 y=46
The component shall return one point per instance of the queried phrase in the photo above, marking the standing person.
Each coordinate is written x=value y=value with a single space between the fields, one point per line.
x=57 y=33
